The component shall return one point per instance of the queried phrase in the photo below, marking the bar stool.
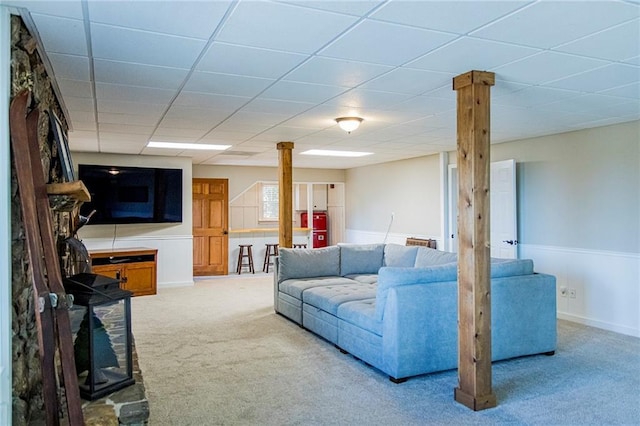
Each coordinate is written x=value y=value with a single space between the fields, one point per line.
x=241 y=255
x=271 y=250
x=299 y=246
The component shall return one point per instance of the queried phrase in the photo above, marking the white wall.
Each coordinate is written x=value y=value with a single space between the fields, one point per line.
x=409 y=189
x=5 y=222
x=578 y=208
x=173 y=241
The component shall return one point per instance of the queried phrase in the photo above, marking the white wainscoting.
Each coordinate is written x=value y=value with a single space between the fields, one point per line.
x=175 y=255
x=606 y=284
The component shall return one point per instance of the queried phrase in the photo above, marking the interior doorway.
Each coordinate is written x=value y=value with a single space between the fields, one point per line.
x=210 y=226
x=504 y=214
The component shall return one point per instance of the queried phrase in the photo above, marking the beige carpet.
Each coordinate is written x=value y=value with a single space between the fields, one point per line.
x=217 y=354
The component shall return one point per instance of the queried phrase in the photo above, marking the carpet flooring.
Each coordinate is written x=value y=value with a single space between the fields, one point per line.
x=217 y=354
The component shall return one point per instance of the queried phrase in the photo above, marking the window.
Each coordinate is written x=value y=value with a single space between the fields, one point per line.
x=269 y=202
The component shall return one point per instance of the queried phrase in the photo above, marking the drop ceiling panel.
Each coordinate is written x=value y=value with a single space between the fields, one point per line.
x=61 y=35
x=383 y=43
x=546 y=66
x=195 y=19
x=301 y=92
x=127 y=45
x=363 y=98
x=452 y=16
x=127 y=129
x=126 y=107
x=67 y=9
x=469 y=53
x=243 y=60
x=599 y=79
x=207 y=100
x=605 y=43
x=226 y=84
x=138 y=120
x=78 y=104
x=81 y=89
x=131 y=74
x=70 y=66
x=336 y=72
x=288 y=28
x=357 y=8
x=125 y=93
x=547 y=24
x=277 y=106
x=534 y=96
x=410 y=81
x=631 y=91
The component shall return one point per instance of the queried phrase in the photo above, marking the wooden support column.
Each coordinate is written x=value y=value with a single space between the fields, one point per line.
x=285 y=200
x=474 y=285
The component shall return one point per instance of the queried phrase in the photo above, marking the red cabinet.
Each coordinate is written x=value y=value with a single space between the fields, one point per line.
x=320 y=235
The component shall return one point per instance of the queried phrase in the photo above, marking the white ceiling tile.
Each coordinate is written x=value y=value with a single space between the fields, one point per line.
x=83 y=125
x=202 y=126
x=81 y=116
x=425 y=105
x=284 y=133
x=301 y=92
x=209 y=100
x=143 y=120
x=70 y=66
x=627 y=91
x=184 y=134
x=244 y=60
x=383 y=43
x=546 y=24
x=61 y=35
x=78 y=104
x=124 y=148
x=534 y=96
x=287 y=28
x=606 y=45
x=82 y=145
x=257 y=118
x=277 y=106
x=67 y=8
x=185 y=18
x=368 y=99
x=226 y=84
x=124 y=93
x=127 y=45
x=225 y=136
x=138 y=74
x=409 y=81
x=599 y=79
x=125 y=107
x=194 y=114
x=127 y=128
x=358 y=7
x=81 y=89
x=546 y=66
x=633 y=61
x=336 y=72
x=452 y=16
x=118 y=138
x=469 y=53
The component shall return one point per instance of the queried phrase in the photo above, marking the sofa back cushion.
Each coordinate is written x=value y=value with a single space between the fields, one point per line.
x=509 y=267
x=401 y=256
x=389 y=277
x=308 y=263
x=430 y=257
x=360 y=258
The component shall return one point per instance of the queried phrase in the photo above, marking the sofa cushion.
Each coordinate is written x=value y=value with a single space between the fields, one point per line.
x=364 y=278
x=394 y=277
x=397 y=255
x=361 y=313
x=510 y=267
x=329 y=298
x=304 y=263
x=360 y=258
x=429 y=257
x=295 y=287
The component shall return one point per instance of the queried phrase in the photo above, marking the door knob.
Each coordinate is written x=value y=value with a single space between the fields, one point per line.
x=511 y=242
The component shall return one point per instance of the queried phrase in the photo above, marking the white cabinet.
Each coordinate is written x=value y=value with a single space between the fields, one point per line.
x=319 y=196
x=301 y=195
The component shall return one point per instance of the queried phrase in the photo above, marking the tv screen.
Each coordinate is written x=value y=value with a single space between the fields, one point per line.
x=132 y=194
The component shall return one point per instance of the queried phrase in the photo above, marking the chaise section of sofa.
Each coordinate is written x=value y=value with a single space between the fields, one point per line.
x=395 y=307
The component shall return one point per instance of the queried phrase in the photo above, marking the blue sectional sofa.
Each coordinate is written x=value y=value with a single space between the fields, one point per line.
x=395 y=307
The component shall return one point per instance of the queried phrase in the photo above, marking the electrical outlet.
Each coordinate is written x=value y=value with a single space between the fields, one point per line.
x=563 y=292
x=572 y=293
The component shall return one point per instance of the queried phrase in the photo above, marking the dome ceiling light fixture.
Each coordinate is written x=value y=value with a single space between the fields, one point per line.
x=349 y=124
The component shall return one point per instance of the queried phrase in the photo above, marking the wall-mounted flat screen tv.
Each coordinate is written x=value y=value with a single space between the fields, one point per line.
x=132 y=194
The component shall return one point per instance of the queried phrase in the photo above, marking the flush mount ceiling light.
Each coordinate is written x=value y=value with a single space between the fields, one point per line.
x=349 y=124
x=330 y=153
x=181 y=145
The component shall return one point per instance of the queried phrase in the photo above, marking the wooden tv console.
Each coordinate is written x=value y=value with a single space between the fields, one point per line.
x=136 y=268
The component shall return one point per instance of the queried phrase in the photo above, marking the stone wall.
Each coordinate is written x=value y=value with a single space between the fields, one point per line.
x=28 y=71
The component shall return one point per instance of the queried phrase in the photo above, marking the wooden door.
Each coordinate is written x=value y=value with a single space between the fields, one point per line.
x=210 y=227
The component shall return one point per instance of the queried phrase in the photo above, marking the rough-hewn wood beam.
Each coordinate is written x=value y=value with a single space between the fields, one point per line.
x=474 y=286
x=285 y=213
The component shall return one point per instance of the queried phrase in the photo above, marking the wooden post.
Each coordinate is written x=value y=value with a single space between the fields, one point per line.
x=474 y=285
x=285 y=200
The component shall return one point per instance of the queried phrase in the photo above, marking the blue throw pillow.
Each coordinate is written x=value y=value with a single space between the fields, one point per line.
x=360 y=258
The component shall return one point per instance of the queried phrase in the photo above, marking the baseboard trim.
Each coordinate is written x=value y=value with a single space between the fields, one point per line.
x=629 y=331
x=176 y=284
